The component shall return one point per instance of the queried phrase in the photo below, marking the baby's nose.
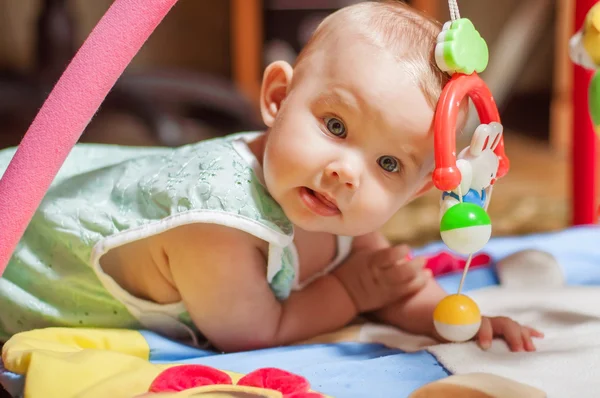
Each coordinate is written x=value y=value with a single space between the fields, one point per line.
x=346 y=178
x=343 y=173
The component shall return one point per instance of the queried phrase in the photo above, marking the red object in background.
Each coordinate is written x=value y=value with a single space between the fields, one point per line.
x=445 y=263
x=184 y=377
x=276 y=379
x=584 y=138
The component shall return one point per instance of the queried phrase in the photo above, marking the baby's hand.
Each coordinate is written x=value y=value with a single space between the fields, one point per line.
x=376 y=279
x=518 y=337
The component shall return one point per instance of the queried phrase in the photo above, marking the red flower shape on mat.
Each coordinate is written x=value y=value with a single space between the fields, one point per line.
x=184 y=377
x=446 y=263
x=276 y=379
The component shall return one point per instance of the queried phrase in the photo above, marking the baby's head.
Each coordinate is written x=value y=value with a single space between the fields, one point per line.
x=350 y=137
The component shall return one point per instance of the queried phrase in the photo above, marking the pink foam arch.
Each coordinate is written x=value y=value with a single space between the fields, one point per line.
x=67 y=111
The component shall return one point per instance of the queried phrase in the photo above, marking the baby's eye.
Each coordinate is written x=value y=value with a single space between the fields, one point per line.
x=389 y=164
x=335 y=127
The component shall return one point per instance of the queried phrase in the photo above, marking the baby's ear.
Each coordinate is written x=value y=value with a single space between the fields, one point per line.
x=276 y=82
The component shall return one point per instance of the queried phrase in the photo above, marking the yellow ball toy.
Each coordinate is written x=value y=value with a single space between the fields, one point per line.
x=457 y=318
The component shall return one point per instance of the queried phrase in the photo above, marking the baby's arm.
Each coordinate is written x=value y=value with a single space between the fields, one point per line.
x=220 y=273
x=414 y=313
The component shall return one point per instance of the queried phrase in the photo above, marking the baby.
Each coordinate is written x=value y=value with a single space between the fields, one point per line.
x=256 y=239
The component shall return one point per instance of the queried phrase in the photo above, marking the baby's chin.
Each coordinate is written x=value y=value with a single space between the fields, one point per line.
x=332 y=226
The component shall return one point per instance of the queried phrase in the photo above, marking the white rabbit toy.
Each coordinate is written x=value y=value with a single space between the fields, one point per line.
x=478 y=165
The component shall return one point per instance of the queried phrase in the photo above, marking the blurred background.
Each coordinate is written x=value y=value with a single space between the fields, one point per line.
x=198 y=77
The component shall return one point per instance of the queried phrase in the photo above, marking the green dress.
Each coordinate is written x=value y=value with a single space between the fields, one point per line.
x=106 y=196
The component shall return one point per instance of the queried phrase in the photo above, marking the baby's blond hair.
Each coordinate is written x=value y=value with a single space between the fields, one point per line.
x=396 y=27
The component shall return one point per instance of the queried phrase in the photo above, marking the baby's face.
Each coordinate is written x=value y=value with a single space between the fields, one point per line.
x=351 y=142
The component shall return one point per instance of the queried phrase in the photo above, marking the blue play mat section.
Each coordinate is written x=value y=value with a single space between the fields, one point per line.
x=340 y=370
x=353 y=370
x=576 y=249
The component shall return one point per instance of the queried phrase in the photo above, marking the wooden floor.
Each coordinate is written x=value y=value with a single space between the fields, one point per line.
x=533 y=197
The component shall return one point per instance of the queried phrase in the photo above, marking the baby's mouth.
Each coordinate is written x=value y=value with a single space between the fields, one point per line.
x=319 y=203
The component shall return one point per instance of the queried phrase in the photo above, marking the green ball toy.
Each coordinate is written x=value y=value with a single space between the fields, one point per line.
x=466 y=228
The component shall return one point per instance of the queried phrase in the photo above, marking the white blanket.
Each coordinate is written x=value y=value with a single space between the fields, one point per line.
x=567 y=360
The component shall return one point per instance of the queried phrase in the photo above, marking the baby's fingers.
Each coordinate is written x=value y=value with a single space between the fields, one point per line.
x=415 y=285
x=408 y=278
x=511 y=331
x=392 y=256
x=527 y=342
x=534 y=333
x=404 y=271
x=528 y=335
x=486 y=333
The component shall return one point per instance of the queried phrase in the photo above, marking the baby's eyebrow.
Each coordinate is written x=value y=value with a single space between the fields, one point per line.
x=341 y=97
x=409 y=153
x=413 y=158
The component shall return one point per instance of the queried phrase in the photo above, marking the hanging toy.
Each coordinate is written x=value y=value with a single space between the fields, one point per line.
x=466 y=228
x=460 y=48
x=585 y=51
x=456 y=318
x=466 y=182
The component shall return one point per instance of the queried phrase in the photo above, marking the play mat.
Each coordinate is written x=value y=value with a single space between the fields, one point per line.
x=363 y=360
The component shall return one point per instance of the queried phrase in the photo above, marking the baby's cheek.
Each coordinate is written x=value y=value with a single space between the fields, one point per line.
x=294 y=144
x=376 y=206
x=283 y=156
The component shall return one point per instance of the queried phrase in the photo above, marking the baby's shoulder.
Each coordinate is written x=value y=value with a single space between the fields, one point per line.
x=209 y=240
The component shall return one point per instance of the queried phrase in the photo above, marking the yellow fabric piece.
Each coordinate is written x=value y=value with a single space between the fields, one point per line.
x=17 y=351
x=89 y=374
x=98 y=363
